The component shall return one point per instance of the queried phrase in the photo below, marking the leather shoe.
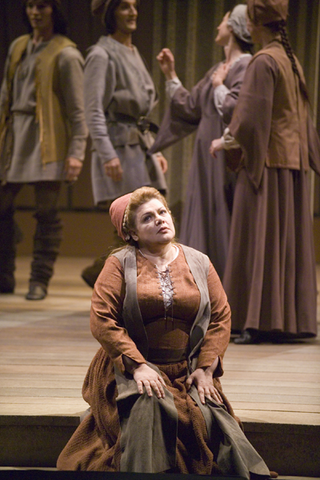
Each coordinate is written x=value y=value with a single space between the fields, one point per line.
x=248 y=337
x=36 y=292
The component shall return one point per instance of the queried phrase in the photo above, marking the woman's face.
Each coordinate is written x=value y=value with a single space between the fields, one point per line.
x=224 y=32
x=126 y=15
x=39 y=14
x=153 y=225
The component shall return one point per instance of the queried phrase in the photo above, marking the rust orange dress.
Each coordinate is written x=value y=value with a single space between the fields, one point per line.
x=98 y=443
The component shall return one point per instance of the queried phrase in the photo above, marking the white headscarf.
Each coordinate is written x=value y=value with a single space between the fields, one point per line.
x=238 y=22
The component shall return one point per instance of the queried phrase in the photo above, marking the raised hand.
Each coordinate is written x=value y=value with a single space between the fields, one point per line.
x=167 y=63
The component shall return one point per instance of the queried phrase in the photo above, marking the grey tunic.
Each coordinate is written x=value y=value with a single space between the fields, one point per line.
x=26 y=165
x=205 y=220
x=118 y=91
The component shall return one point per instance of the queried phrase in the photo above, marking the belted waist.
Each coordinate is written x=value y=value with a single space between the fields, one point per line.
x=164 y=355
x=142 y=123
x=22 y=112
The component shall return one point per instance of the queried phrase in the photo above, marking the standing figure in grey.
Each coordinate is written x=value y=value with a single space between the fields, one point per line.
x=207 y=108
x=119 y=97
x=42 y=136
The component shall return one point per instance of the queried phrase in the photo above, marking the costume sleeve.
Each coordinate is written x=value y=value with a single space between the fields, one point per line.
x=251 y=121
x=106 y=314
x=217 y=336
x=228 y=141
x=172 y=86
x=181 y=118
x=219 y=96
x=99 y=85
x=70 y=65
x=186 y=105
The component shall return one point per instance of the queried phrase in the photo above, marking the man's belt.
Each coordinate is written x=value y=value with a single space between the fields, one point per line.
x=143 y=124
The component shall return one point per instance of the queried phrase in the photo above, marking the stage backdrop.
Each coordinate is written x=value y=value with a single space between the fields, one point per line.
x=188 y=28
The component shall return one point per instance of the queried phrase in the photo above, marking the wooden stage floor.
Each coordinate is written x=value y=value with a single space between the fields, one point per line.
x=46 y=348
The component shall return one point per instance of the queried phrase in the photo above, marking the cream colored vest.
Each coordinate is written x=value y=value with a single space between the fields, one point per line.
x=54 y=130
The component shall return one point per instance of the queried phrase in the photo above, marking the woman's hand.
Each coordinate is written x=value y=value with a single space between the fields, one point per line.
x=219 y=76
x=166 y=63
x=148 y=378
x=203 y=380
x=216 y=146
x=113 y=169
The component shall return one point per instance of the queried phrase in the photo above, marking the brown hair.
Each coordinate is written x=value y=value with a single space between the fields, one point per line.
x=245 y=47
x=58 y=18
x=139 y=197
x=110 y=19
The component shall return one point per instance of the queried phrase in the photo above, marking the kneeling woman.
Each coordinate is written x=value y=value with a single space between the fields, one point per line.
x=163 y=321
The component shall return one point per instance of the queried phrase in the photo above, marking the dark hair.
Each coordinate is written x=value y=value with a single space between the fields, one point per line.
x=244 y=46
x=110 y=19
x=280 y=27
x=58 y=18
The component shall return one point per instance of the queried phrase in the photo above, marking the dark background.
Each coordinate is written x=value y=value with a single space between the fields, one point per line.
x=188 y=28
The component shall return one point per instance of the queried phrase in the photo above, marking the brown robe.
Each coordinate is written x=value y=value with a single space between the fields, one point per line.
x=97 y=443
x=205 y=223
x=270 y=277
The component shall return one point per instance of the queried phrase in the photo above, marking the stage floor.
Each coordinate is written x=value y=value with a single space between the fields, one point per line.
x=46 y=348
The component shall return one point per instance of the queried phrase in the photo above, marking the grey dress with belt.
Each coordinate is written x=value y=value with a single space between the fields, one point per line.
x=118 y=92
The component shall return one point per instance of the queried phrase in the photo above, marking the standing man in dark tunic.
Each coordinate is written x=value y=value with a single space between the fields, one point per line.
x=119 y=98
x=42 y=136
x=270 y=277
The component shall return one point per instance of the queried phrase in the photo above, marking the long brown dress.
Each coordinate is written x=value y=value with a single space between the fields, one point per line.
x=205 y=223
x=97 y=443
x=270 y=277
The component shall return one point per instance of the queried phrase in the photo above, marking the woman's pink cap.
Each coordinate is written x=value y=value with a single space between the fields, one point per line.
x=116 y=212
